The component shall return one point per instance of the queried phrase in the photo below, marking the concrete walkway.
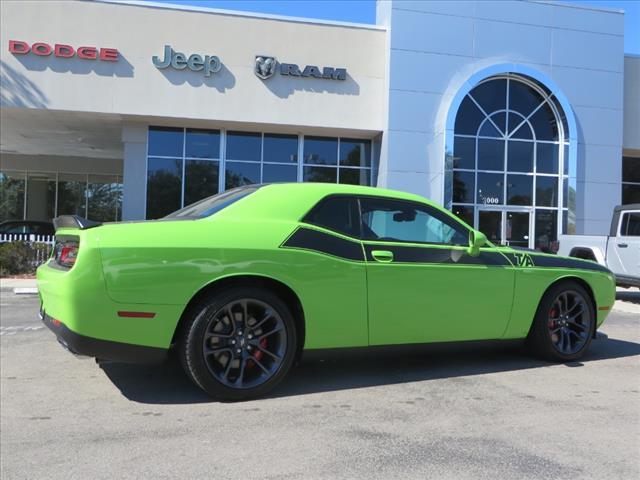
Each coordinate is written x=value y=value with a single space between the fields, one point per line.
x=19 y=286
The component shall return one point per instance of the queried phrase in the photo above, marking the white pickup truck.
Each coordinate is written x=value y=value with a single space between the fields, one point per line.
x=619 y=251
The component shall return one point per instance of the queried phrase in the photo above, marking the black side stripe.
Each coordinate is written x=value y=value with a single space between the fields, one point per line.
x=425 y=254
x=544 y=261
x=314 y=240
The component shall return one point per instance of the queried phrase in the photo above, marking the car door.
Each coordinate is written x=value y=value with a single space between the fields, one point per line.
x=625 y=259
x=422 y=284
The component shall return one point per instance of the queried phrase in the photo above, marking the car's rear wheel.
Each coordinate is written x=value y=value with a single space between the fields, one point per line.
x=564 y=324
x=238 y=343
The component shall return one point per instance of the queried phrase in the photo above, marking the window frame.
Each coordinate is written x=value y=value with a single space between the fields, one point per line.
x=444 y=217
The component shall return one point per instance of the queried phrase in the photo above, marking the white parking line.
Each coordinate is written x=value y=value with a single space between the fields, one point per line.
x=12 y=330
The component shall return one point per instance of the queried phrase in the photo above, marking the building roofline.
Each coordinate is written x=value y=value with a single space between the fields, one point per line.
x=238 y=13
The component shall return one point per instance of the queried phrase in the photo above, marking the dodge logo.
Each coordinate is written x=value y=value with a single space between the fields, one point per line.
x=265 y=66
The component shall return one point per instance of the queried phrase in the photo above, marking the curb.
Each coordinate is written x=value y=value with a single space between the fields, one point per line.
x=25 y=291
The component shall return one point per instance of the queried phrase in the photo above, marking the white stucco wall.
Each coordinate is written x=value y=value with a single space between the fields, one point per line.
x=436 y=46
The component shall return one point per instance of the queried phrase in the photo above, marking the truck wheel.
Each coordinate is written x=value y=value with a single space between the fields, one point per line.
x=564 y=323
x=238 y=343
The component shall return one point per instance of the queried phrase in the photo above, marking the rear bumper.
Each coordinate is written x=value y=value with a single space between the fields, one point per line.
x=101 y=349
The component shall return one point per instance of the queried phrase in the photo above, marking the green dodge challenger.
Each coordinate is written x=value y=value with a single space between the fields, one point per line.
x=242 y=282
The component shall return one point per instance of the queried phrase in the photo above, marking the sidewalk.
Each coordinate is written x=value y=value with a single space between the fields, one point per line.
x=19 y=286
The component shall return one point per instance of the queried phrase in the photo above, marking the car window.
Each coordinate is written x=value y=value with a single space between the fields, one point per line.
x=337 y=213
x=398 y=221
x=12 y=228
x=630 y=224
x=210 y=205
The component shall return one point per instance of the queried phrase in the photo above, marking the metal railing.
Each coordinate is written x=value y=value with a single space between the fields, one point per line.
x=27 y=237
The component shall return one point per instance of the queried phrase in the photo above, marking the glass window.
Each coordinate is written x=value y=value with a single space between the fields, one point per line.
x=210 y=205
x=520 y=189
x=544 y=124
x=355 y=176
x=279 y=173
x=202 y=143
x=547 y=158
x=355 y=153
x=490 y=154
x=104 y=197
x=200 y=180
x=630 y=193
x=631 y=169
x=241 y=173
x=488 y=129
x=463 y=186
x=321 y=174
x=41 y=195
x=468 y=118
x=164 y=186
x=339 y=214
x=547 y=191
x=464 y=212
x=464 y=153
x=321 y=150
x=72 y=196
x=244 y=146
x=490 y=189
x=491 y=95
x=520 y=156
x=165 y=141
x=519 y=129
x=630 y=226
x=523 y=99
x=546 y=228
x=391 y=220
x=280 y=148
x=12 y=188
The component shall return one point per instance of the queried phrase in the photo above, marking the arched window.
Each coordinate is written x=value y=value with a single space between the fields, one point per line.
x=510 y=174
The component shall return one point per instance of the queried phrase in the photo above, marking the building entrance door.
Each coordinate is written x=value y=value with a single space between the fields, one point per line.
x=506 y=226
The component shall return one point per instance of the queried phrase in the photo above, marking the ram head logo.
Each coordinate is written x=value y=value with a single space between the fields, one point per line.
x=265 y=66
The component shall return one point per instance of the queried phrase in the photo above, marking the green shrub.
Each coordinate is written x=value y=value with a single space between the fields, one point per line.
x=22 y=257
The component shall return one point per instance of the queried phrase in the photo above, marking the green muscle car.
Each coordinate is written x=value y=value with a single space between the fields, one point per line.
x=242 y=282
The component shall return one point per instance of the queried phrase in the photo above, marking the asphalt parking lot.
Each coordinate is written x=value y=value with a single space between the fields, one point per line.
x=451 y=413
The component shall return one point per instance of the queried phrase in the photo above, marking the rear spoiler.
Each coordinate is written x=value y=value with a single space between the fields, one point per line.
x=74 y=221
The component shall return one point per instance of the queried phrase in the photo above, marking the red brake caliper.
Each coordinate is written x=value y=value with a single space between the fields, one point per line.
x=552 y=318
x=258 y=354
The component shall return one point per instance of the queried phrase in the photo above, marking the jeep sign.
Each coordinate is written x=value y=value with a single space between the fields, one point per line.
x=178 y=60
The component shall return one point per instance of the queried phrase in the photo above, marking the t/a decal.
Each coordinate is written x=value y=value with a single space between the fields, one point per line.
x=524 y=260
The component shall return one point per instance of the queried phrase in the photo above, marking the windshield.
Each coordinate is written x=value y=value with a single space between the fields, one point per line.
x=210 y=205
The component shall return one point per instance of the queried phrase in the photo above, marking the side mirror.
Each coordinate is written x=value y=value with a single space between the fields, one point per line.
x=476 y=240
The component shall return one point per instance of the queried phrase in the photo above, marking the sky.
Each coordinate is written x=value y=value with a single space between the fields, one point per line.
x=364 y=11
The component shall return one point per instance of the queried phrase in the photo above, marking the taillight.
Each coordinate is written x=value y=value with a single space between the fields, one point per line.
x=66 y=253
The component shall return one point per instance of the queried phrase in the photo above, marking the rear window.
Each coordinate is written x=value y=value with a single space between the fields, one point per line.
x=210 y=205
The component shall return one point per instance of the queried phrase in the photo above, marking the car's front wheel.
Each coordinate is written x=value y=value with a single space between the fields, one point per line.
x=238 y=343
x=564 y=323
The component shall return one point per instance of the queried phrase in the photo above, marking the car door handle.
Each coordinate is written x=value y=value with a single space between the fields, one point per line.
x=384 y=256
x=623 y=245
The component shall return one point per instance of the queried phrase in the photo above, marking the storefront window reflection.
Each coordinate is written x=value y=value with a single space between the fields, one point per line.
x=43 y=196
x=186 y=165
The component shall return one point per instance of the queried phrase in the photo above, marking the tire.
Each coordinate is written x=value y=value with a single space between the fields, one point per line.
x=231 y=354
x=558 y=332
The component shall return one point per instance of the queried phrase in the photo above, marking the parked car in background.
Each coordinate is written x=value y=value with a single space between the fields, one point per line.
x=26 y=227
x=619 y=251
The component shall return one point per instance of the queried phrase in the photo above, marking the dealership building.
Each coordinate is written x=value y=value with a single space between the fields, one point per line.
x=523 y=117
